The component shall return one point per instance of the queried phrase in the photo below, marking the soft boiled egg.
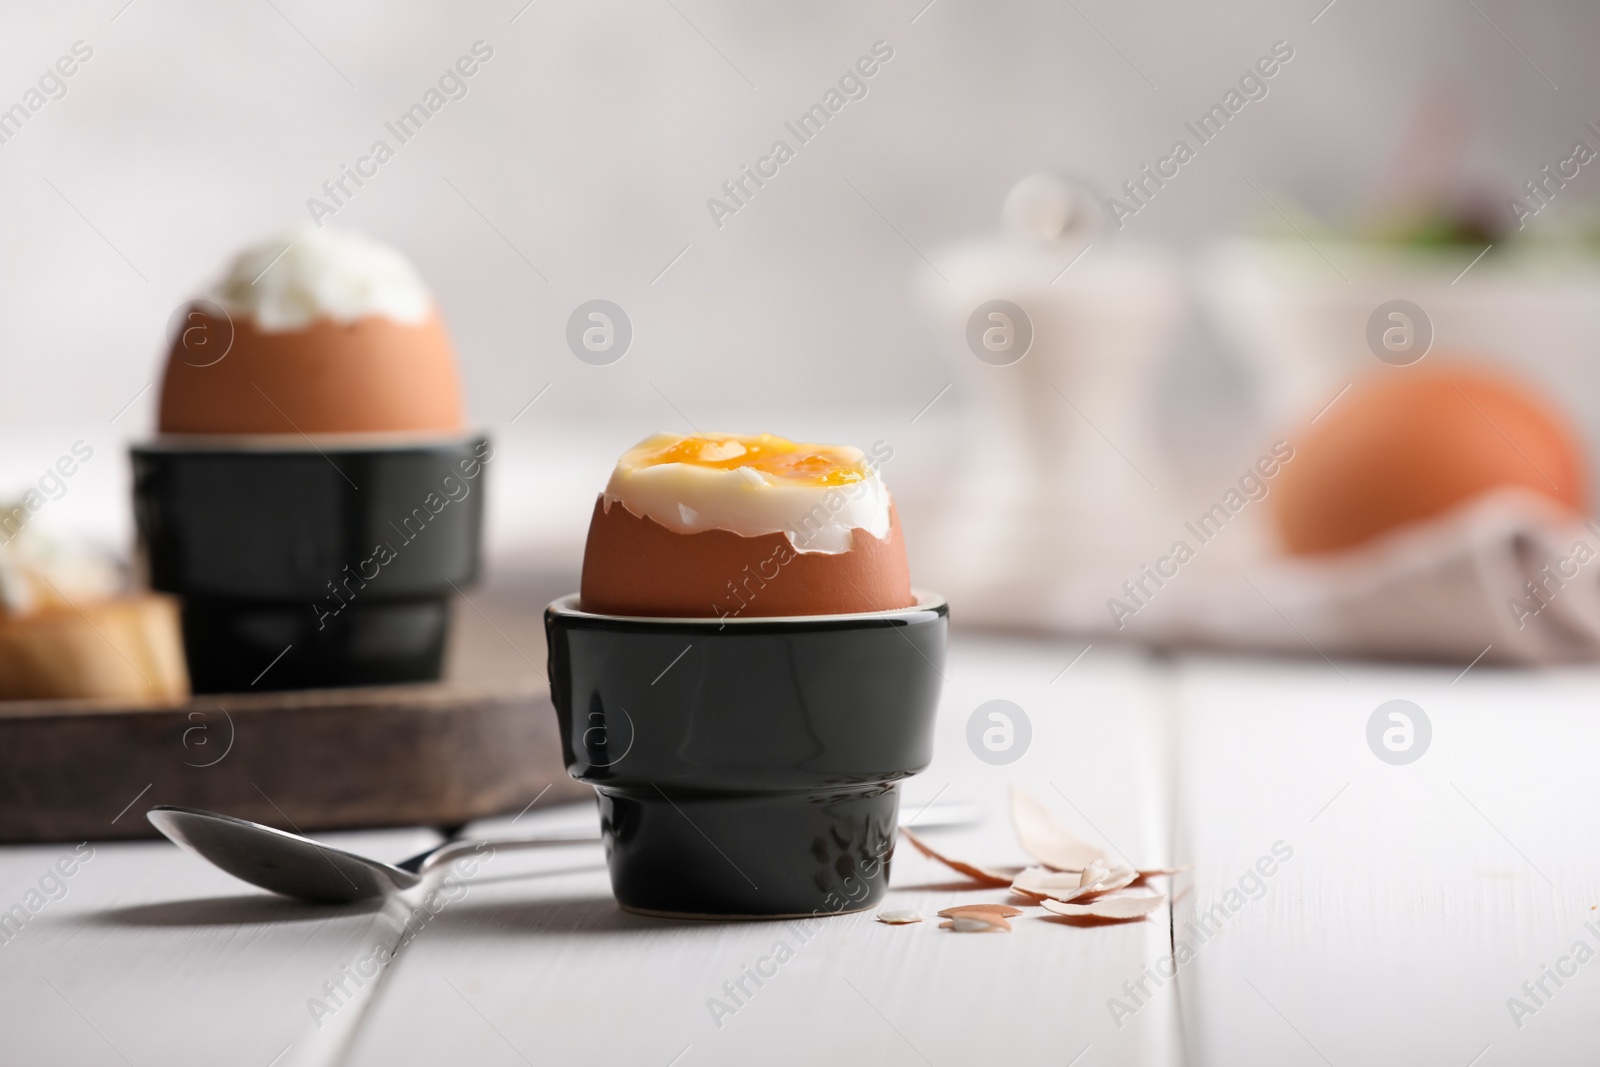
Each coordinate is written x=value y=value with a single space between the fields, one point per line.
x=731 y=526
x=1414 y=442
x=318 y=331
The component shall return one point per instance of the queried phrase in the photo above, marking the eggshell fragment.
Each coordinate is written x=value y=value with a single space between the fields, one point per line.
x=1043 y=882
x=1004 y=911
x=976 y=924
x=1115 y=908
x=986 y=876
x=1068 y=885
x=1147 y=873
x=1047 y=840
x=899 y=916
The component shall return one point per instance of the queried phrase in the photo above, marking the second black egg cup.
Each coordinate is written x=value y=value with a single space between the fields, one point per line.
x=302 y=564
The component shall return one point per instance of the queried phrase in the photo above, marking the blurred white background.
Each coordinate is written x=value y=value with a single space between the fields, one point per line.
x=579 y=165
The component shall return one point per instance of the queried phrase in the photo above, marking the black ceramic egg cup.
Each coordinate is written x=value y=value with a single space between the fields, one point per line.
x=301 y=565
x=746 y=768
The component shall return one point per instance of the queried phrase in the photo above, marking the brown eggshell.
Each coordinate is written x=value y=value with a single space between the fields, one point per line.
x=1415 y=442
x=1004 y=911
x=373 y=375
x=986 y=875
x=636 y=566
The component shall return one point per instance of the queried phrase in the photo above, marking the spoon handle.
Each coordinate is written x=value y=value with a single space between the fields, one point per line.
x=444 y=854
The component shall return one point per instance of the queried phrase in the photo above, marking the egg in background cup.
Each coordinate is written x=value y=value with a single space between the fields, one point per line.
x=313 y=497
x=745 y=675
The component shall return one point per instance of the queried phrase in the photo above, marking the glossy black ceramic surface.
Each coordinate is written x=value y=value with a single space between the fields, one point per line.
x=345 y=555
x=747 y=768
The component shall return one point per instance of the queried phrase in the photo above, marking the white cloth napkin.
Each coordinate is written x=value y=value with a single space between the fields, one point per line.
x=1508 y=578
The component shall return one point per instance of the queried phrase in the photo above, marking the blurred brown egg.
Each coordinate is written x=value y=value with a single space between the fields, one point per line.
x=372 y=375
x=1414 y=442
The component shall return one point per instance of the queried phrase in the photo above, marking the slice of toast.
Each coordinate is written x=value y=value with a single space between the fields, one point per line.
x=127 y=648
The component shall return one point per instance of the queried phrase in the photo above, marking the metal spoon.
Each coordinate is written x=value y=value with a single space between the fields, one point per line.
x=299 y=867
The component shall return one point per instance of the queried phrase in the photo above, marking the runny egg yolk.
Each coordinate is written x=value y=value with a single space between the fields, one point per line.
x=795 y=464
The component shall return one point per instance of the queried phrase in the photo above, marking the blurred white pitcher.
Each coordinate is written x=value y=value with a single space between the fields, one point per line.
x=1051 y=331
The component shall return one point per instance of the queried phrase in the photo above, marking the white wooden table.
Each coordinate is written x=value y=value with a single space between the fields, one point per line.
x=1404 y=905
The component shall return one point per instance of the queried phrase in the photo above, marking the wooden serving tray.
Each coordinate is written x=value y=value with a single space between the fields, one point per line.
x=320 y=759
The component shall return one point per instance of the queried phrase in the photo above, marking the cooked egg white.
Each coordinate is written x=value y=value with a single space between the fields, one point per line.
x=815 y=495
x=292 y=280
